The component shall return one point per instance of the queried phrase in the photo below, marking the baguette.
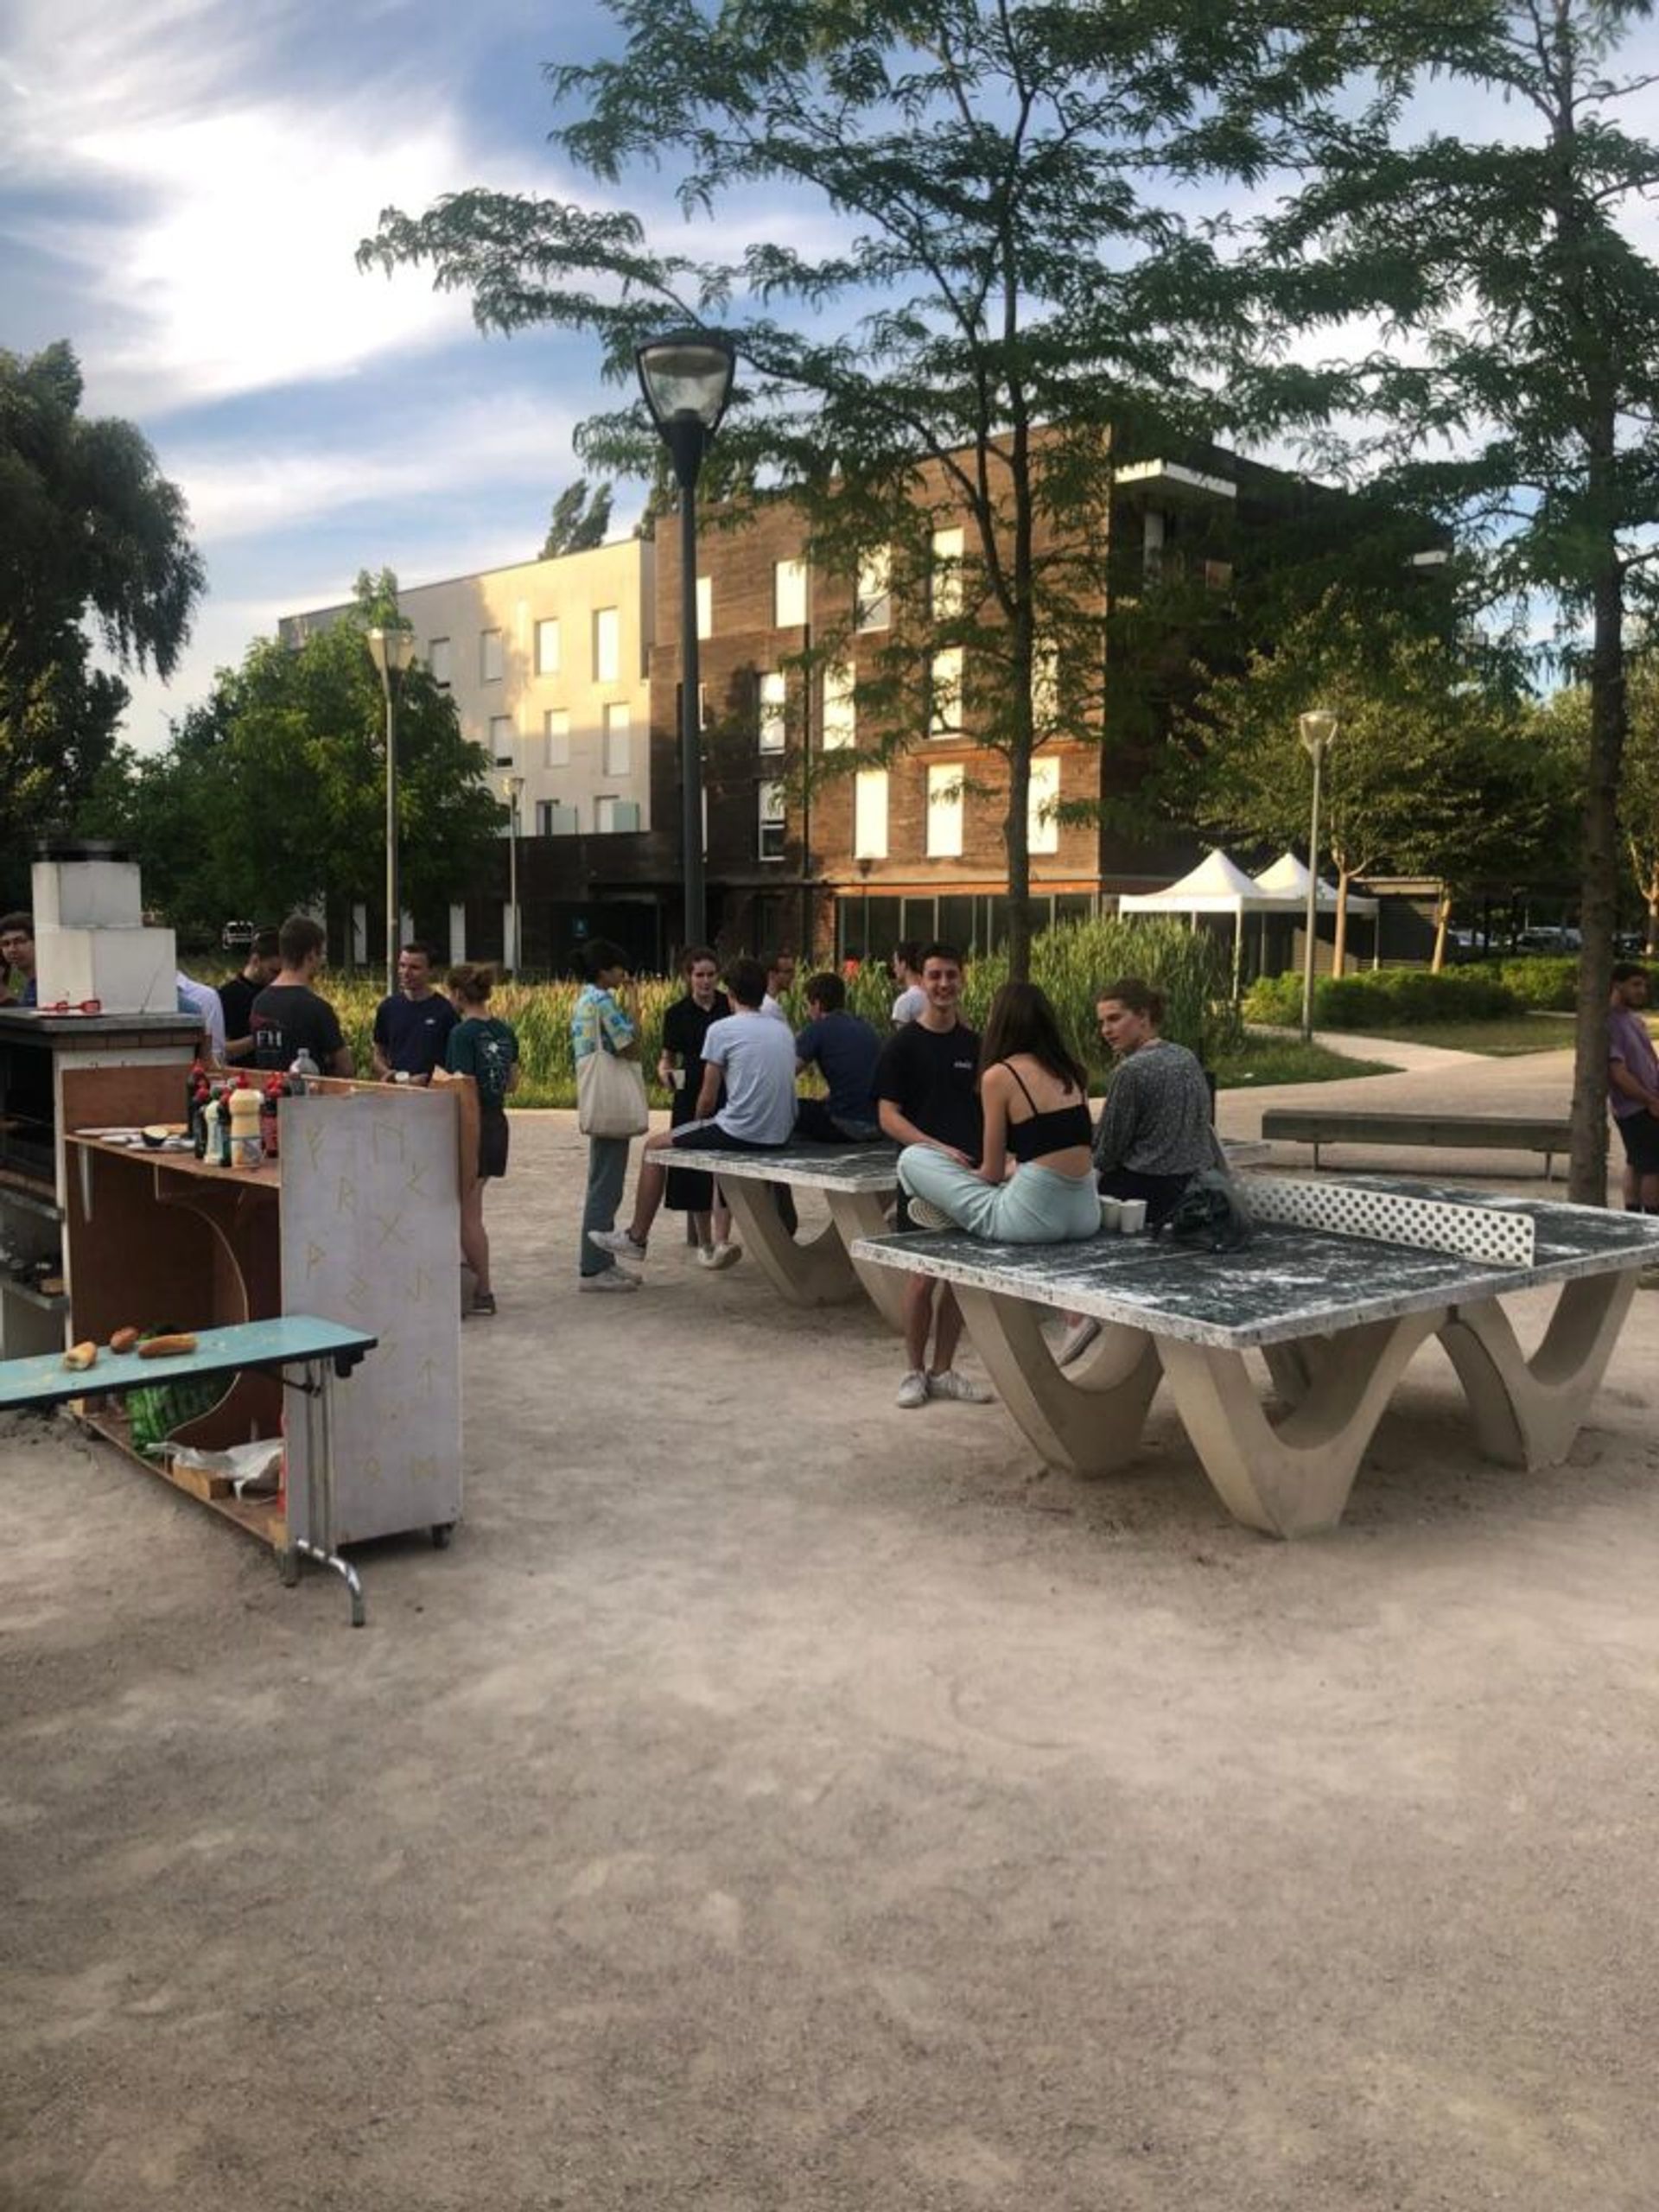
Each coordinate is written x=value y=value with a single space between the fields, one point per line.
x=78 y=1357
x=166 y=1347
x=123 y=1340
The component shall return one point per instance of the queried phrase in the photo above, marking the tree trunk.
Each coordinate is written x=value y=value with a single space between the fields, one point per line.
x=1650 y=942
x=1442 y=919
x=1339 y=933
x=1599 y=884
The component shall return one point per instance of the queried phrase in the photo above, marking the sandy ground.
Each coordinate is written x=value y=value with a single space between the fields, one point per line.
x=777 y=1799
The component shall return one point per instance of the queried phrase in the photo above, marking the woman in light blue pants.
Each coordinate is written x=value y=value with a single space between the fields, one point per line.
x=1035 y=1100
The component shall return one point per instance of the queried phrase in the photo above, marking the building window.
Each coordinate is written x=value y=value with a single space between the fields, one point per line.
x=840 y=721
x=554 y=819
x=873 y=602
x=789 y=595
x=945 y=690
x=944 y=814
x=947 y=575
x=613 y=816
x=556 y=738
x=437 y=659
x=870 y=815
x=608 y=645
x=492 y=657
x=773 y=702
x=547 y=648
x=705 y=607
x=501 y=740
x=617 y=743
x=1042 y=824
x=772 y=822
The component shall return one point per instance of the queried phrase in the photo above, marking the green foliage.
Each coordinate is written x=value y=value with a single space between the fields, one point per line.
x=89 y=529
x=1543 y=982
x=580 y=519
x=1381 y=998
x=1260 y=1061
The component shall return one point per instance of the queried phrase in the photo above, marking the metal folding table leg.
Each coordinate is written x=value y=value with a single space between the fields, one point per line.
x=317 y=1390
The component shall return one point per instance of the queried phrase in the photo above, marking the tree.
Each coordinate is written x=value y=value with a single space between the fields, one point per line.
x=88 y=528
x=1527 y=416
x=271 y=796
x=1027 y=301
x=580 y=519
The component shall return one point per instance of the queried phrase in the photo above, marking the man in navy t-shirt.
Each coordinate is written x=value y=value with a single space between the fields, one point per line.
x=412 y=1028
x=844 y=1049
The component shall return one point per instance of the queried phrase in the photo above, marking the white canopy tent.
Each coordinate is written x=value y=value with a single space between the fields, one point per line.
x=1217 y=886
x=1286 y=883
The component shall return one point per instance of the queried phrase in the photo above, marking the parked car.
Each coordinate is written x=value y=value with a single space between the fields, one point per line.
x=1549 y=938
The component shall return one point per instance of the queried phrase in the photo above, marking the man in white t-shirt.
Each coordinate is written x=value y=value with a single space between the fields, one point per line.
x=912 y=1001
x=754 y=1058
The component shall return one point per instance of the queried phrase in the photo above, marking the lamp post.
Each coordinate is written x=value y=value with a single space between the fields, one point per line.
x=391 y=652
x=512 y=790
x=1318 y=730
x=687 y=380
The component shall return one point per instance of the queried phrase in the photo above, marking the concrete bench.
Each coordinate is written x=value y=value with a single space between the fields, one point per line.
x=1322 y=1125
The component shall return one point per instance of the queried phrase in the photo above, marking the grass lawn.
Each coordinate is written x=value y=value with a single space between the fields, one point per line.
x=1267 y=1060
x=1502 y=1039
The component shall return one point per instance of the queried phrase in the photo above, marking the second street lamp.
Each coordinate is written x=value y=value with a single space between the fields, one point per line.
x=512 y=788
x=686 y=380
x=1318 y=731
x=391 y=652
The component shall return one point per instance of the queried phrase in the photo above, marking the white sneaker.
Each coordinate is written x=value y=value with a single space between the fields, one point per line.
x=926 y=1215
x=1077 y=1341
x=952 y=1385
x=721 y=1256
x=912 y=1391
x=618 y=1241
x=609 y=1279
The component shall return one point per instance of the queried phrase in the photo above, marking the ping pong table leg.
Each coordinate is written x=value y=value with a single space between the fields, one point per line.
x=1291 y=1479
x=864 y=1213
x=812 y=1272
x=1527 y=1412
x=1089 y=1425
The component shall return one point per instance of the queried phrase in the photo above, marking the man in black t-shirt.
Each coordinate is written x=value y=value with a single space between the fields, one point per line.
x=412 y=1028
x=288 y=1017
x=925 y=1094
x=237 y=993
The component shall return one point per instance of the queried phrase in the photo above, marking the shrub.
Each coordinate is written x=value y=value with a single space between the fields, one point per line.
x=1385 y=998
x=1544 y=982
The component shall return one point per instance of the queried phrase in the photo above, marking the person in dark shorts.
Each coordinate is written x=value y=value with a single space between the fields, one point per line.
x=1633 y=1086
x=680 y=1070
x=481 y=1047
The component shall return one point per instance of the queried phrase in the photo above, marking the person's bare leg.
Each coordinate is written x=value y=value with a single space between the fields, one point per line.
x=474 y=1242
x=947 y=1331
x=722 y=1217
x=648 y=1191
x=703 y=1232
x=919 y=1319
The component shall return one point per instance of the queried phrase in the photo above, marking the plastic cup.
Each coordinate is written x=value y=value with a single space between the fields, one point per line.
x=1110 y=1215
x=677 y=1078
x=1132 y=1216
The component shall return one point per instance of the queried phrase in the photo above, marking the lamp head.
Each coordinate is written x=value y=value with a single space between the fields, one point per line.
x=391 y=650
x=687 y=372
x=1318 y=730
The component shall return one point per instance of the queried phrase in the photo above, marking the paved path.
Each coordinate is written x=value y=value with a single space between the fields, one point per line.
x=1394 y=1052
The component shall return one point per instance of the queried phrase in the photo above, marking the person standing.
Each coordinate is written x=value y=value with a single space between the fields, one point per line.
x=202 y=1000
x=605 y=1019
x=907 y=974
x=478 y=1045
x=925 y=1095
x=845 y=1050
x=288 y=1017
x=780 y=980
x=685 y=1025
x=17 y=988
x=237 y=993
x=412 y=1028
x=1633 y=1086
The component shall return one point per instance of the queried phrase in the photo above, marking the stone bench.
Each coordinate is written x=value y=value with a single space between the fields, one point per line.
x=1323 y=1125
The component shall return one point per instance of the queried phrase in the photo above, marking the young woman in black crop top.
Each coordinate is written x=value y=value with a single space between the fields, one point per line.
x=1034 y=1183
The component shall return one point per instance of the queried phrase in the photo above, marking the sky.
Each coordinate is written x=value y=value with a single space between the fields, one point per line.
x=183 y=186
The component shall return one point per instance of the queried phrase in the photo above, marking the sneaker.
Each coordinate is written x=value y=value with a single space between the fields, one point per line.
x=912 y=1391
x=926 y=1215
x=620 y=1240
x=484 y=1301
x=721 y=1256
x=952 y=1385
x=609 y=1279
x=1076 y=1341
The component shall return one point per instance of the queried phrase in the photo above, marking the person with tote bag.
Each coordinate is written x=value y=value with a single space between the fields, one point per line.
x=610 y=1102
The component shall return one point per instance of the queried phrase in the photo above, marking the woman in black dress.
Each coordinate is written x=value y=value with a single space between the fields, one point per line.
x=679 y=1067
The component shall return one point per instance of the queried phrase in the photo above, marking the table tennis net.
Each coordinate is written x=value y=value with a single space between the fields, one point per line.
x=1494 y=1234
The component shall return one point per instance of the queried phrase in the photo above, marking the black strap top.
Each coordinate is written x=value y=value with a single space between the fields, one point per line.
x=1062 y=1126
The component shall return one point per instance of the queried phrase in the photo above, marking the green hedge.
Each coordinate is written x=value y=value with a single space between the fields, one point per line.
x=1546 y=982
x=1384 y=998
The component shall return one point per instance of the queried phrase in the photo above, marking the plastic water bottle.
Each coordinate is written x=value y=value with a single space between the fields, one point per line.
x=304 y=1070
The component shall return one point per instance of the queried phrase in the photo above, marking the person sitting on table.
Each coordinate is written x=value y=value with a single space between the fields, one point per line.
x=1155 y=1132
x=17 y=955
x=844 y=1049
x=1034 y=1183
x=754 y=1056
x=237 y=993
x=411 y=1027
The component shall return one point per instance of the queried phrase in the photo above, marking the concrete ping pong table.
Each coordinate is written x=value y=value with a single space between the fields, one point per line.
x=1340 y=1284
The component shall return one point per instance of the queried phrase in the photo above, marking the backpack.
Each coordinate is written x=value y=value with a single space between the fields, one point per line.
x=493 y=1063
x=1210 y=1212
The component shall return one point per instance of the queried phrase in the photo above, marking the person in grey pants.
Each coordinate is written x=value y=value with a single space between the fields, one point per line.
x=605 y=1019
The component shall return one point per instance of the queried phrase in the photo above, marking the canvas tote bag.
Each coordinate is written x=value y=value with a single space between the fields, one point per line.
x=611 y=1095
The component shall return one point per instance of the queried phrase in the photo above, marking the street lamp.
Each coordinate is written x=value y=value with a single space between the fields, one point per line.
x=687 y=380
x=391 y=652
x=1318 y=730
x=512 y=789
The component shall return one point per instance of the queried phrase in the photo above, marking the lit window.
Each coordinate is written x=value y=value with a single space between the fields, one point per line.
x=873 y=605
x=840 y=722
x=556 y=735
x=605 y=816
x=772 y=822
x=789 y=595
x=773 y=700
x=501 y=740
x=945 y=704
x=618 y=746
x=607 y=645
x=437 y=659
x=705 y=607
x=547 y=648
x=1042 y=824
x=947 y=575
x=554 y=819
x=870 y=815
x=944 y=814
x=491 y=656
